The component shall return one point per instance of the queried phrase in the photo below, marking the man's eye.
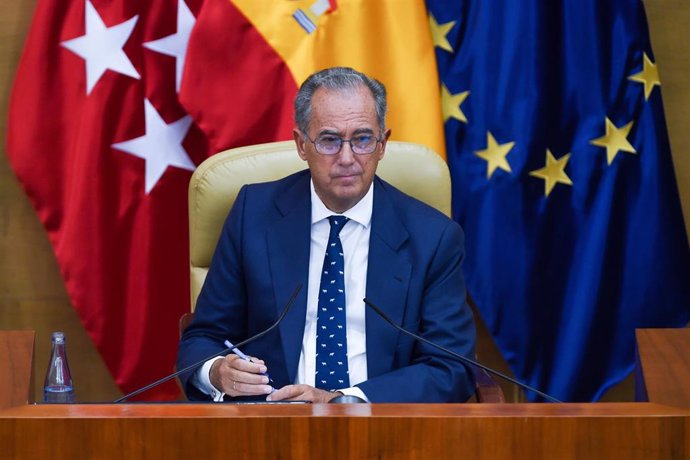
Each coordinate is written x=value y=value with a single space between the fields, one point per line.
x=329 y=140
x=363 y=139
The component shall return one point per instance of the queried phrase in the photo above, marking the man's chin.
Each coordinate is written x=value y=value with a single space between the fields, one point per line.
x=345 y=198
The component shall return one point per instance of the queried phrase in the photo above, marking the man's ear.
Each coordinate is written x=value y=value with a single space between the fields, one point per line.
x=299 y=142
x=386 y=136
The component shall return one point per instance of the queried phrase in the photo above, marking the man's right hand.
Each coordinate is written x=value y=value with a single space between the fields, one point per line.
x=237 y=377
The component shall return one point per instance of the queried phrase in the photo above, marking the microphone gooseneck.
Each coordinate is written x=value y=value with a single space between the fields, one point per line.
x=225 y=350
x=463 y=359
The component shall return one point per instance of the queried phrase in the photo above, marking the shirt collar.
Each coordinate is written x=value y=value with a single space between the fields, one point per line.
x=360 y=213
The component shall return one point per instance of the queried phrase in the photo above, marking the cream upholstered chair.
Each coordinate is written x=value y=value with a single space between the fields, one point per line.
x=413 y=168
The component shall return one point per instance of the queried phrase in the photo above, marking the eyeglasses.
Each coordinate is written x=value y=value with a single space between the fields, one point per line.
x=329 y=144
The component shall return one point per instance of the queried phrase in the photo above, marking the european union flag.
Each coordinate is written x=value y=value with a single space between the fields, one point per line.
x=563 y=182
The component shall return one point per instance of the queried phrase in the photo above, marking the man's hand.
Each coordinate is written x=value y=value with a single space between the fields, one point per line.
x=237 y=377
x=302 y=393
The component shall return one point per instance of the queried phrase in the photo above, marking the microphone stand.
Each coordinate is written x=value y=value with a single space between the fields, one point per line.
x=465 y=360
x=225 y=350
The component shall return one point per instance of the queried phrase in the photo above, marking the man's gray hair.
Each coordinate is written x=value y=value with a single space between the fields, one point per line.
x=338 y=78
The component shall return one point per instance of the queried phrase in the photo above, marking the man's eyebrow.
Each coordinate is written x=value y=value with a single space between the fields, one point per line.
x=334 y=132
x=364 y=131
x=330 y=132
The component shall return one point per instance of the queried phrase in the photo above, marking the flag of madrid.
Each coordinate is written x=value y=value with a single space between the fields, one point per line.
x=105 y=151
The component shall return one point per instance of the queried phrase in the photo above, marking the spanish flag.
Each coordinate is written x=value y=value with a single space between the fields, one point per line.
x=246 y=59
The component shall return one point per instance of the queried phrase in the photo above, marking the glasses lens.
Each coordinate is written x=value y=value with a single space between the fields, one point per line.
x=361 y=144
x=364 y=143
x=328 y=145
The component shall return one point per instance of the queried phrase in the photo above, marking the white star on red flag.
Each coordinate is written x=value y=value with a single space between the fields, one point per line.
x=176 y=44
x=101 y=47
x=160 y=146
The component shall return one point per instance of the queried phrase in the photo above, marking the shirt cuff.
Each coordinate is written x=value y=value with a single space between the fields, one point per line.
x=354 y=391
x=202 y=380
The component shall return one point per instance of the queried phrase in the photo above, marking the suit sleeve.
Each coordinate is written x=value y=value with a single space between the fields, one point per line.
x=220 y=310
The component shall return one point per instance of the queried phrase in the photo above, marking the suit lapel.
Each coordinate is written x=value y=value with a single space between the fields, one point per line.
x=388 y=277
x=288 y=245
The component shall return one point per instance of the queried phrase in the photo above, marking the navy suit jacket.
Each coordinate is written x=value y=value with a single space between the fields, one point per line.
x=414 y=275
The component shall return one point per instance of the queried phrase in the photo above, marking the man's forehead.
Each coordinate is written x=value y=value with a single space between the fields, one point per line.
x=337 y=105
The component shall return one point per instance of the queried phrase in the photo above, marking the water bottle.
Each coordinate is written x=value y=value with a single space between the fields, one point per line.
x=58 y=387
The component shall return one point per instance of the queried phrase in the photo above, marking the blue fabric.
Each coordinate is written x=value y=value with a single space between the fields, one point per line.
x=414 y=275
x=563 y=280
x=331 y=338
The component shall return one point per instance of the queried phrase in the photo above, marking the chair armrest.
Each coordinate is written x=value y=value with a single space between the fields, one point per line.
x=185 y=320
x=487 y=390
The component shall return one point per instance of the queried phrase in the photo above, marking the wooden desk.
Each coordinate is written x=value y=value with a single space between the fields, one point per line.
x=663 y=366
x=323 y=431
x=16 y=368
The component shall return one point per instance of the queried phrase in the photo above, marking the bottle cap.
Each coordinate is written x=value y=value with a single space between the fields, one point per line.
x=58 y=337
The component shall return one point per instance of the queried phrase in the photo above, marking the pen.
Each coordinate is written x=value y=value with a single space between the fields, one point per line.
x=239 y=353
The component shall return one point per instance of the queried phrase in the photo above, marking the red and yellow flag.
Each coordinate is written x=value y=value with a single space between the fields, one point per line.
x=246 y=59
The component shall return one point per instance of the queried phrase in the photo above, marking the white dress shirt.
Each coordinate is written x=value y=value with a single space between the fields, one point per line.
x=355 y=240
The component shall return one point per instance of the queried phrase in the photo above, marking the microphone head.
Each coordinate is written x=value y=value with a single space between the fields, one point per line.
x=346 y=399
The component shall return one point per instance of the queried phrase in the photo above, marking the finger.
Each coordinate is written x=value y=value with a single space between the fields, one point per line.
x=246 y=389
x=247 y=366
x=232 y=374
x=240 y=383
x=286 y=393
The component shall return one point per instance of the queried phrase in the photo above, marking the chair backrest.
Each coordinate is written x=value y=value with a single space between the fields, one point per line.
x=413 y=168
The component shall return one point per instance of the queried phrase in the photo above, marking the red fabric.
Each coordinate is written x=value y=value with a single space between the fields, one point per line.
x=236 y=87
x=123 y=253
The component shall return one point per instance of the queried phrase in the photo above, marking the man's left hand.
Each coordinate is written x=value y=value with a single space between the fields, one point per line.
x=302 y=393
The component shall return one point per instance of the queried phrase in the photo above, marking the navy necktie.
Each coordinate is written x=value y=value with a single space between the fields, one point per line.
x=331 y=339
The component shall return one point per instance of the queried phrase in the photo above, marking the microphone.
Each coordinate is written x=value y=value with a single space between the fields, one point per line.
x=224 y=351
x=462 y=359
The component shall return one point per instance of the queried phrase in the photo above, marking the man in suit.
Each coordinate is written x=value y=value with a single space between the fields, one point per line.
x=344 y=234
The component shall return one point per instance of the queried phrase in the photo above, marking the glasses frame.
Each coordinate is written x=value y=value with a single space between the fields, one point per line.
x=342 y=142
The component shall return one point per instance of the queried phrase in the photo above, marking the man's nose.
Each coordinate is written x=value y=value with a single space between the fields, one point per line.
x=346 y=155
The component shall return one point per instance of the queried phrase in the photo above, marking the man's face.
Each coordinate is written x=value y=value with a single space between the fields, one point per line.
x=341 y=180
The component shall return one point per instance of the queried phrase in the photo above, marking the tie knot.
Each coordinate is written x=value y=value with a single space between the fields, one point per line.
x=337 y=224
